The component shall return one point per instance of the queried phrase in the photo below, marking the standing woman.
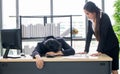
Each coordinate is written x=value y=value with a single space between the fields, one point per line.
x=100 y=25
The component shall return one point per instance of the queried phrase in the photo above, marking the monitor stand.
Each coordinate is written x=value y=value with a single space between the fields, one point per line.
x=6 y=54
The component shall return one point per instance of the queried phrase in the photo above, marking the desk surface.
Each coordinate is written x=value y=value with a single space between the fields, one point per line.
x=72 y=58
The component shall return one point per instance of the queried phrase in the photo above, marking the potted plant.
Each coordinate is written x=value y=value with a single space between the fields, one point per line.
x=74 y=31
x=116 y=17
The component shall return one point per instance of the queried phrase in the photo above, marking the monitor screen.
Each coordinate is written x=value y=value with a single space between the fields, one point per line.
x=11 y=39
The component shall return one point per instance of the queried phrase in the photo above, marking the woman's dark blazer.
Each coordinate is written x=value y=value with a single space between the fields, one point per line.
x=108 y=39
x=41 y=50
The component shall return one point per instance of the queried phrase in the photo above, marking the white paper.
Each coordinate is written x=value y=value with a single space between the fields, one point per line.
x=81 y=56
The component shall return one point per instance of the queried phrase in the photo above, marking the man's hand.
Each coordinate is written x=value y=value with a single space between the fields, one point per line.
x=39 y=62
x=59 y=53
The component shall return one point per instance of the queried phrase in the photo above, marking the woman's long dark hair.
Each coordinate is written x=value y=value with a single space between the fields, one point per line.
x=91 y=7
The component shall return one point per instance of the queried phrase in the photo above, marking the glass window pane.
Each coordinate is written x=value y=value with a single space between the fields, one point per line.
x=68 y=7
x=71 y=7
x=109 y=9
x=9 y=9
x=33 y=20
x=34 y=7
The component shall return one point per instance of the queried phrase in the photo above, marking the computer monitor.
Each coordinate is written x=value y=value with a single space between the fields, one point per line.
x=11 y=39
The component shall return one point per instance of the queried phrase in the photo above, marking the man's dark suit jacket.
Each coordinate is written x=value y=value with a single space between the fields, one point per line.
x=42 y=50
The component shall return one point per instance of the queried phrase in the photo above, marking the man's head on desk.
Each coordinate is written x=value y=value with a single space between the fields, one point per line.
x=52 y=45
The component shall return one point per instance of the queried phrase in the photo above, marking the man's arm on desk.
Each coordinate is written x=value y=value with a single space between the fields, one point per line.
x=39 y=61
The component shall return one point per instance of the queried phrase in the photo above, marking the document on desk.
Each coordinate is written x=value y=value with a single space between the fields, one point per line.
x=81 y=56
x=26 y=57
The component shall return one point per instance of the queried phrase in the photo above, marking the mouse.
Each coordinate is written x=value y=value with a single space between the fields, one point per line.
x=22 y=54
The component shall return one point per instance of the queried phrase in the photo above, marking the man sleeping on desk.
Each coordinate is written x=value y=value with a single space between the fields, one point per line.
x=51 y=47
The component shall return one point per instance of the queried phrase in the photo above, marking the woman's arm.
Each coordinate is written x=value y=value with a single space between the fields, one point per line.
x=88 y=37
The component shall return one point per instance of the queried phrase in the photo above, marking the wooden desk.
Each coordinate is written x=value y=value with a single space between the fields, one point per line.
x=57 y=65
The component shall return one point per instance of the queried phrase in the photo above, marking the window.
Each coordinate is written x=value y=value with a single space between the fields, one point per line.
x=9 y=9
x=34 y=7
x=109 y=9
x=71 y=7
x=44 y=8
